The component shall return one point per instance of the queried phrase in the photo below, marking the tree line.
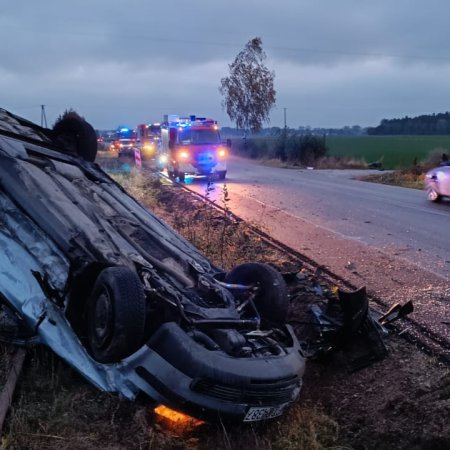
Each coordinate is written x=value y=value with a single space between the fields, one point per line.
x=424 y=124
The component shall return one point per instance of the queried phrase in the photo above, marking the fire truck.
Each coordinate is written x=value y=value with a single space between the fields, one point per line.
x=192 y=146
x=148 y=139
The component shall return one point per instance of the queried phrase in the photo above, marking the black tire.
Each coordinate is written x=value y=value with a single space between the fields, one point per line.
x=181 y=177
x=272 y=299
x=77 y=136
x=116 y=314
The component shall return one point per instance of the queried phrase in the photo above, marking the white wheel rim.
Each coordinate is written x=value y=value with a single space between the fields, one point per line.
x=432 y=194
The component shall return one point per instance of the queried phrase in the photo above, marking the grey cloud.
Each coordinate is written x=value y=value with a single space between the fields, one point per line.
x=336 y=63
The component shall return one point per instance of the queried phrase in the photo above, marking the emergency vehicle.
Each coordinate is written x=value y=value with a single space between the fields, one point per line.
x=124 y=138
x=148 y=138
x=192 y=146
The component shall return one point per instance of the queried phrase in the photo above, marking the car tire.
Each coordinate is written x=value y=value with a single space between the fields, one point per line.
x=181 y=177
x=77 y=136
x=433 y=195
x=272 y=298
x=116 y=315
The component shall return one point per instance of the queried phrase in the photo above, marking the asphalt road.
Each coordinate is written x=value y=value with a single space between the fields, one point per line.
x=398 y=221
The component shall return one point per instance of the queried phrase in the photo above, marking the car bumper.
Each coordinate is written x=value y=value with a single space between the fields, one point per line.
x=202 y=169
x=178 y=372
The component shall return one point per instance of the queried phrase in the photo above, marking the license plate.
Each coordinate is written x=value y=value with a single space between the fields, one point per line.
x=205 y=158
x=269 y=412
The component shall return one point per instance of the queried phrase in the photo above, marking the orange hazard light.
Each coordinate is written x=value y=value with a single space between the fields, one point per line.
x=176 y=417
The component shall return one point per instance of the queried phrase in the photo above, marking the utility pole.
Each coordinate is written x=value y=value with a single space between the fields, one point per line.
x=43 y=117
x=282 y=151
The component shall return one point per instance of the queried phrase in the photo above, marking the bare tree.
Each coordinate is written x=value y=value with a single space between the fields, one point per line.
x=248 y=91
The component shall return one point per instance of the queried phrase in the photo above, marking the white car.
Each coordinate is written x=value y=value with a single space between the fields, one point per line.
x=437 y=183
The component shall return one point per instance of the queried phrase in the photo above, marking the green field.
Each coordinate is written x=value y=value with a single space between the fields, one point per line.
x=395 y=152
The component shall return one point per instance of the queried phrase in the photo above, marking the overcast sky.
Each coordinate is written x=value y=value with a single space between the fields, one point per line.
x=336 y=62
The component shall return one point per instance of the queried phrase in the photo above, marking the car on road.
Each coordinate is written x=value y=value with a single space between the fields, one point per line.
x=437 y=183
x=135 y=308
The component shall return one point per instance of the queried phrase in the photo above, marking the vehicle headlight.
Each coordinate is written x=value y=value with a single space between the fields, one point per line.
x=222 y=153
x=183 y=154
x=163 y=159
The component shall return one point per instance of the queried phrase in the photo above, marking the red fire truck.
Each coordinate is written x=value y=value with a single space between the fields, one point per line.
x=192 y=146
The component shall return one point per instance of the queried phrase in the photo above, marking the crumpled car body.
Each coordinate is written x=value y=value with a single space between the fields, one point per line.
x=88 y=271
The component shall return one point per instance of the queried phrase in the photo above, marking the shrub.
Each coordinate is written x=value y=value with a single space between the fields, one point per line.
x=304 y=149
x=252 y=148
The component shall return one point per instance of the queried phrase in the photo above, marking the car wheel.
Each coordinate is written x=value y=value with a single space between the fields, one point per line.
x=77 y=136
x=433 y=195
x=272 y=298
x=221 y=174
x=181 y=177
x=116 y=314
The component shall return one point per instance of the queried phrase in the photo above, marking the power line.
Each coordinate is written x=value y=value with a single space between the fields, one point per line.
x=207 y=42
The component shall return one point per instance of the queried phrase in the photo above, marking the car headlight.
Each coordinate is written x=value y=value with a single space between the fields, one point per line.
x=183 y=154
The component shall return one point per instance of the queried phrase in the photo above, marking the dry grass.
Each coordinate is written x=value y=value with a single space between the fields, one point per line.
x=333 y=162
x=404 y=178
x=301 y=428
x=276 y=162
x=412 y=177
x=56 y=409
x=142 y=187
x=223 y=240
x=327 y=162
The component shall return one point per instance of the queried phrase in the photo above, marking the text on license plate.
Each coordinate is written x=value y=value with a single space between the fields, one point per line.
x=268 y=412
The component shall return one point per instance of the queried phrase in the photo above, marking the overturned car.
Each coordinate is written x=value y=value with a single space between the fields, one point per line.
x=116 y=293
